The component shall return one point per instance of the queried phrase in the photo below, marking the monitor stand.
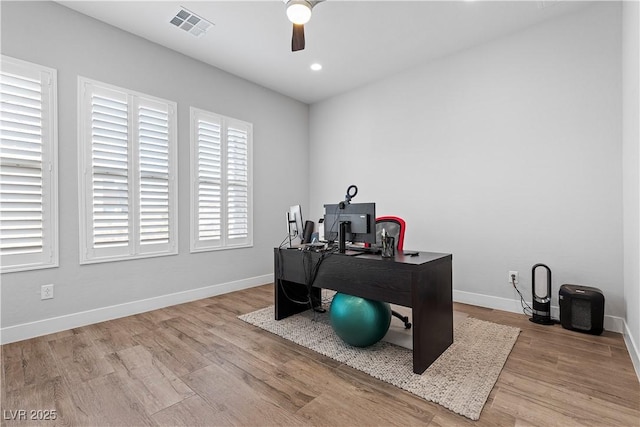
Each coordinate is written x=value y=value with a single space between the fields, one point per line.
x=345 y=227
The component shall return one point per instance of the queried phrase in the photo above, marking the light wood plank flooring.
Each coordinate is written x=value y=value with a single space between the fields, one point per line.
x=197 y=364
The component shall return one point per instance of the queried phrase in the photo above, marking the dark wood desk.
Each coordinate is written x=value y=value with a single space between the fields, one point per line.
x=423 y=283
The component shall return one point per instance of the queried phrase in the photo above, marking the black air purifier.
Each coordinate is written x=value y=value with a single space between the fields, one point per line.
x=581 y=309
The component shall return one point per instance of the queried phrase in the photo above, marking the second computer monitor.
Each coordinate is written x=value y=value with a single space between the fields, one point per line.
x=361 y=219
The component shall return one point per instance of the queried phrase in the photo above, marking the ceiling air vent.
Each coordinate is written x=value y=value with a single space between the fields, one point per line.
x=190 y=22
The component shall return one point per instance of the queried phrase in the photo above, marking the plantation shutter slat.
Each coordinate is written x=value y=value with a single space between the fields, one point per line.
x=109 y=169
x=27 y=166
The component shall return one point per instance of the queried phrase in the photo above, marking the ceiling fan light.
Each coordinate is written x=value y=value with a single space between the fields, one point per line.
x=299 y=11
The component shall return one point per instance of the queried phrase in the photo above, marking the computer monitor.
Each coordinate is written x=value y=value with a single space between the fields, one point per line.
x=359 y=217
x=295 y=225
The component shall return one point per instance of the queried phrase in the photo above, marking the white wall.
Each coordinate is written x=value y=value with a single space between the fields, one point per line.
x=506 y=155
x=52 y=35
x=631 y=172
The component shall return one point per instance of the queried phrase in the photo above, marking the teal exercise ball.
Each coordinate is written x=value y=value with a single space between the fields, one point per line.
x=358 y=321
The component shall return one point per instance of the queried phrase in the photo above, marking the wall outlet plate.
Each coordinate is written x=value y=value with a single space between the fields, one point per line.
x=514 y=273
x=46 y=292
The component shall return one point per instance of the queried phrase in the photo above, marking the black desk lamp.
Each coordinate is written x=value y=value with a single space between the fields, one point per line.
x=345 y=226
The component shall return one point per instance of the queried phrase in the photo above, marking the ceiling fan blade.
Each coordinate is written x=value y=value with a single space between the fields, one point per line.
x=297 y=40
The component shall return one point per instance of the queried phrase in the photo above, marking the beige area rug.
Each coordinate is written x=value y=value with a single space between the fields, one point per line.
x=460 y=379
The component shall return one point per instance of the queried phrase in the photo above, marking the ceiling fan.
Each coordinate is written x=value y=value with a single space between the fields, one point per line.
x=299 y=12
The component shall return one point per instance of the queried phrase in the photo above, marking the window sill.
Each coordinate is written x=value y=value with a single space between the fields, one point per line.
x=125 y=258
x=221 y=248
x=28 y=267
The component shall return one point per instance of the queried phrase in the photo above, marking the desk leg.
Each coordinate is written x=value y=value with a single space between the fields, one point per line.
x=432 y=307
x=286 y=291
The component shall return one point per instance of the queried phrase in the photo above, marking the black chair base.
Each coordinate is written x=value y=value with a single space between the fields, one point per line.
x=405 y=319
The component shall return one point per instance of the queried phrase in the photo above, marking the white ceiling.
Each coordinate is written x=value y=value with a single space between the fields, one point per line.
x=357 y=42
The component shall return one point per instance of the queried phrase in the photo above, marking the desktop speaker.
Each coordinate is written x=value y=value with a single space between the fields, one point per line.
x=308 y=230
x=581 y=309
x=321 y=229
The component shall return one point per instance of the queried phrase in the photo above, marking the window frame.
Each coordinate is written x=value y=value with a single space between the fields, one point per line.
x=49 y=258
x=225 y=243
x=134 y=248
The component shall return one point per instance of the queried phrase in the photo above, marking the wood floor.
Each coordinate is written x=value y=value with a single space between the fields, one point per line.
x=197 y=364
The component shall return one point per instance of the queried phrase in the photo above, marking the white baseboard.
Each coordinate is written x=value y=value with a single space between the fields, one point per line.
x=611 y=323
x=481 y=300
x=75 y=320
x=632 y=346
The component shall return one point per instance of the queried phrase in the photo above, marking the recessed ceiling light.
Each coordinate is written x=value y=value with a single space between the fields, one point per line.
x=316 y=67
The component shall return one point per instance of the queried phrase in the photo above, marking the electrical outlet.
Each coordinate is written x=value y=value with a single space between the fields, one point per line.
x=513 y=273
x=46 y=292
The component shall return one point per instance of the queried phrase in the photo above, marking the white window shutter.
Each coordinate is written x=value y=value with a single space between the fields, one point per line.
x=21 y=165
x=221 y=175
x=28 y=223
x=153 y=157
x=109 y=172
x=237 y=191
x=209 y=190
x=128 y=152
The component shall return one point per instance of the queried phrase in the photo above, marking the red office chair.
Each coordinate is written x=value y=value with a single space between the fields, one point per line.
x=394 y=226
